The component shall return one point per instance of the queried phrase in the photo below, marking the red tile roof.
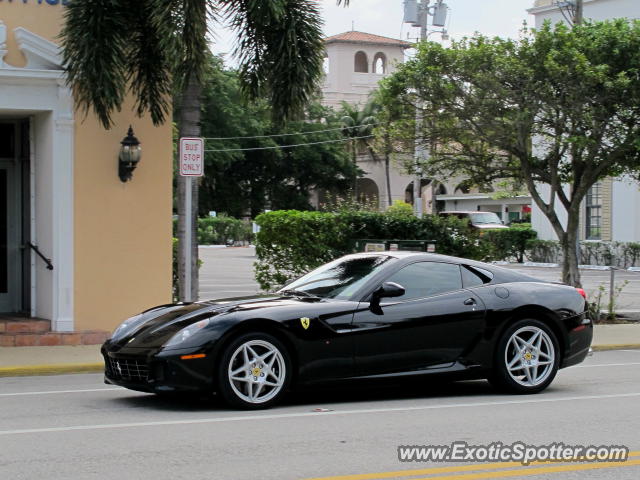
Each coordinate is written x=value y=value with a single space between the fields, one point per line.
x=361 y=37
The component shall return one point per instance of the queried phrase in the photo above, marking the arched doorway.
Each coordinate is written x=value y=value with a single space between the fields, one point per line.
x=368 y=192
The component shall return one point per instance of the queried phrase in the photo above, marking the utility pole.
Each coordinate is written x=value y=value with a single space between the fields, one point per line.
x=572 y=10
x=578 y=16
x=417 y=14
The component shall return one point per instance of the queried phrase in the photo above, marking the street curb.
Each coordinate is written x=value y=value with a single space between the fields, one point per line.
x=622 y=346
x=59 y=369
x=65 y=368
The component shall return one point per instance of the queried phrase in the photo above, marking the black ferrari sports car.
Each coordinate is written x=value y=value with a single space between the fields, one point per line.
x=370 y=315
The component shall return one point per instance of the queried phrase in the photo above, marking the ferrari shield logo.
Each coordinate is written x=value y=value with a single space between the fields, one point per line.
x=305 y=321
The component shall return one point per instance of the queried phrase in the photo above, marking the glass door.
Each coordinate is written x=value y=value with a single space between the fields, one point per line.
x=10 y=220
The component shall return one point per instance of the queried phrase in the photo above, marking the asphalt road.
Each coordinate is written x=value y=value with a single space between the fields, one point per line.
x=228 y=272
x=75 y=427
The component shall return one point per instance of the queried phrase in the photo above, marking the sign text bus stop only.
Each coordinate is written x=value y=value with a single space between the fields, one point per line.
x=191 y=157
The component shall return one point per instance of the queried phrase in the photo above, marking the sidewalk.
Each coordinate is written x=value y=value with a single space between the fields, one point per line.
x=15 y=361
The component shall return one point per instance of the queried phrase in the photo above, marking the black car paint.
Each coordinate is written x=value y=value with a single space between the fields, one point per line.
x=349 y=339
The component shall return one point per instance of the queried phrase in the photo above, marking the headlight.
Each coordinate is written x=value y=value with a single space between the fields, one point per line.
x=187 y=332
x=127 y=326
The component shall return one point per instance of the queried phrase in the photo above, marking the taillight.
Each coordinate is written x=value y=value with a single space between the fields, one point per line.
x=582 y=292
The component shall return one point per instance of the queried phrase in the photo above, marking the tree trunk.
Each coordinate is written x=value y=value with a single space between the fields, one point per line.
x=569 y=243
x=355 y=178
x=388 y=178
x=189 y=126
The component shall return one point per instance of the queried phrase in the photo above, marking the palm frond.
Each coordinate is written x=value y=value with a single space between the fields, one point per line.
x=280 y=49
x=95 y=43
x=151 y=81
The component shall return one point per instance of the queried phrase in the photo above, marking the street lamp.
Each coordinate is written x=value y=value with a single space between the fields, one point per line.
x=130 y=153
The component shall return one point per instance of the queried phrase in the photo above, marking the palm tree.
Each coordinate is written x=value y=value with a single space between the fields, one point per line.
x=360 y=125
x=152 y=48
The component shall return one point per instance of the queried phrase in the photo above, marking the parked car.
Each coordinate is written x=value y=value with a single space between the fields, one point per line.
x=362 y=316
x=478 y=220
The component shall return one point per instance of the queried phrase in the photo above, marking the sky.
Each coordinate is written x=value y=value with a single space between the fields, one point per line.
x=384 y=17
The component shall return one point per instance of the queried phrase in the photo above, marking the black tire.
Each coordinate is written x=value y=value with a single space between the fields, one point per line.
x=516 y=380
x=238 y=393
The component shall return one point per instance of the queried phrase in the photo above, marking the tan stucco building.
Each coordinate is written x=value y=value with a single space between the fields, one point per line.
x=109 y=241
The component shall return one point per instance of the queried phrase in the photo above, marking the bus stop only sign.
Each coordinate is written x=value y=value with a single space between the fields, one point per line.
x=191 y=157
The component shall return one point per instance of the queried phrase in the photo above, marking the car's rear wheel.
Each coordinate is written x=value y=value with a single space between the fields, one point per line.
x=527 y=357
x=254 y=371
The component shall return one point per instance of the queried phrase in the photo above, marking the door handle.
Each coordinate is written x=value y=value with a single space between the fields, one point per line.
x=469 y=301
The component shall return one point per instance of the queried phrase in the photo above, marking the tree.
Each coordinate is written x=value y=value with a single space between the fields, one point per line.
x=149 y=48
x=556 y=110
x=358 y=124
x=246 y=182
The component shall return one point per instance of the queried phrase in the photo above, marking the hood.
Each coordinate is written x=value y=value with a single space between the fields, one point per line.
x=157 y=325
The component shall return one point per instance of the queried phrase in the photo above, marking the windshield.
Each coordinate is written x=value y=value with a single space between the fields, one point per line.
x=483 y=218
x=340 y=278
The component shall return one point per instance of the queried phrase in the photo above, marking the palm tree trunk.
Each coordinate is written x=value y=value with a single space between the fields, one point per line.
x=189 y=126
x=355 y=178
x=388 y=178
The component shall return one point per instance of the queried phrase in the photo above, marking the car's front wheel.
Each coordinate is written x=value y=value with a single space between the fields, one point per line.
x=527 y=357
x=254 y=371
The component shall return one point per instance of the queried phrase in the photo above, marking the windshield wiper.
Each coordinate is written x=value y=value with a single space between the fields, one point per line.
x=298 y=293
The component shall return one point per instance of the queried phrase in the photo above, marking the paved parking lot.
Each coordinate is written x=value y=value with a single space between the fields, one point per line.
x=228 y=272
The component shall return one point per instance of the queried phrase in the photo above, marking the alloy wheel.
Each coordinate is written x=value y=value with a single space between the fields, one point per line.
x=529 y=356
x=257 y=371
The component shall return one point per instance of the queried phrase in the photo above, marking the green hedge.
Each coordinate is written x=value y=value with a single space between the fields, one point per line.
x=509 y=244
x=293 y=242
x=221 y=230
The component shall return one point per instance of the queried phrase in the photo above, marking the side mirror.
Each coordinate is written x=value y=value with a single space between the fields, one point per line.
x=386 y=290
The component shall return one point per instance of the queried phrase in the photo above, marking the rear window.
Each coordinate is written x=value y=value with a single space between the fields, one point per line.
x=474 y=276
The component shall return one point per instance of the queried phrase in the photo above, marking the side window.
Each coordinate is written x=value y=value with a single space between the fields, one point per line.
x=473 y=277
x=424 y=279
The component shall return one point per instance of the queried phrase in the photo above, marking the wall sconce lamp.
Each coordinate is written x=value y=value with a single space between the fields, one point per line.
x=130 y=153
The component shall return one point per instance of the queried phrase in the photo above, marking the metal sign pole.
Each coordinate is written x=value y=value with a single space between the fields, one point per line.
x=191 y=165
x=186 y=250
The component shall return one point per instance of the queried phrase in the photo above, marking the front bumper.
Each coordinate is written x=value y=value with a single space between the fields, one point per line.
x=157 y=370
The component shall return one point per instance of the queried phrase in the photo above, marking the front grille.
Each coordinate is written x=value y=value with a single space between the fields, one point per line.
x=126 y=369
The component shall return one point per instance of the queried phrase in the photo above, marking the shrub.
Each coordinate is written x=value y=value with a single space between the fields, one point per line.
x=223 y=230
x=401 y=209
x=510 y=243
x=293 y=242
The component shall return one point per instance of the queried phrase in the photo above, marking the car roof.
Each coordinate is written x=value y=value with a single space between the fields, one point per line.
x=500 y=274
